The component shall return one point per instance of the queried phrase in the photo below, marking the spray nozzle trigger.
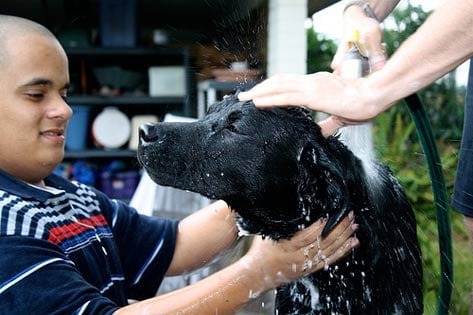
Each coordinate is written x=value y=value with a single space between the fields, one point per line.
x=354 y=42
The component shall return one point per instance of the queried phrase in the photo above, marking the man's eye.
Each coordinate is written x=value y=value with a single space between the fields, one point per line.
x=36 y=96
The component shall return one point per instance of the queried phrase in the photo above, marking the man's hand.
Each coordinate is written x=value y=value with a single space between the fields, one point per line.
x=345 y=99
x=370 y=39
x=306 y=252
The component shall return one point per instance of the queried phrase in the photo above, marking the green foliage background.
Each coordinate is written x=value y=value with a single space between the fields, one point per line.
x=397 y=145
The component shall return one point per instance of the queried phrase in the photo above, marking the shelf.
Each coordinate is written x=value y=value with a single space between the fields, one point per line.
x=134 y=62
x=207 y=92
x=225 y=85
x=124 y=100
x=96 y=154
x=119 y=51
x=137 y=57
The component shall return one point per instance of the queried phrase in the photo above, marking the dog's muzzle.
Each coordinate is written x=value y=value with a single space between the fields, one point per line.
x=148 y=133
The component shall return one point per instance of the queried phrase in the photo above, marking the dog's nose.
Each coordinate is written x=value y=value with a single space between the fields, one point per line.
x=148 y=133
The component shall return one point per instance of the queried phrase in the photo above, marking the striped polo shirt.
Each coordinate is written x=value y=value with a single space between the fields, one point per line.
x=72 y=250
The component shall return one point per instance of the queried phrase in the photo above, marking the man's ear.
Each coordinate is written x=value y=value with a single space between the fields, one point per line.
x=321 y=186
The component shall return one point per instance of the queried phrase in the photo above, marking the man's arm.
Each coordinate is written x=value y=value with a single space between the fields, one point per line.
x=203 y=235
x=267 y=265
x=442 y=43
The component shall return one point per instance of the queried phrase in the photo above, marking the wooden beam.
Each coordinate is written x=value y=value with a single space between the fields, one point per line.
x=317 y=5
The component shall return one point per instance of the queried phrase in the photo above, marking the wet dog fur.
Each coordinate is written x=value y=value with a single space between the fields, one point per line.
x=277 y=171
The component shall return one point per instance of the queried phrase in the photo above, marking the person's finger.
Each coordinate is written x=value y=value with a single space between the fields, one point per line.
x=323 y=258
x=372 y=49
x=343 y=250
x=331 y=243
x=377 y=62
x=330 y=125
x=375 y=50
x=277 y=98
x=339 y=244
x=278 y=90
x=343 y=230
x=311 y=233
x=312 y=240
x=266 y=88
x=286 y=99
x=337 y=60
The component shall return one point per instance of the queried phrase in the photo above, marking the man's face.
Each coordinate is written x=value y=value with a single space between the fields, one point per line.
x=33 y=112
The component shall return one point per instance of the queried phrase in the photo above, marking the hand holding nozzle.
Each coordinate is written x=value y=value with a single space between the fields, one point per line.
x=355 y=61
x=367 y=33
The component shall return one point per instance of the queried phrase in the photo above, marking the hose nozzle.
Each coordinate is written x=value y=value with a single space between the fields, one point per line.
x=354 y=41
x=355 y=62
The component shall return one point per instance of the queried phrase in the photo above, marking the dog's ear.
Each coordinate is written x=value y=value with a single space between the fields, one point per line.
x=321 y=186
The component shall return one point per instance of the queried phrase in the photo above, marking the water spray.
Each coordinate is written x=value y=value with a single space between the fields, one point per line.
x=359 y=140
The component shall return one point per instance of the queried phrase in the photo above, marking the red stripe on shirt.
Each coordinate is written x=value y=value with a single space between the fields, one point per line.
x=59 y=233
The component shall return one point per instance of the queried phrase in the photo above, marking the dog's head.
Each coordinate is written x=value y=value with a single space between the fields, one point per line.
x=272 y=166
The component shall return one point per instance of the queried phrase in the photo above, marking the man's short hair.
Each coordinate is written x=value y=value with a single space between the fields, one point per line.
x=18 y=26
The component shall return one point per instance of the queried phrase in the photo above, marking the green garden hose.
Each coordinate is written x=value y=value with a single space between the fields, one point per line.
x=434 y=164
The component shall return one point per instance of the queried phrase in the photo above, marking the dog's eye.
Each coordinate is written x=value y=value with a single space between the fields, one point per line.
x=234 y=116
x=231 y=128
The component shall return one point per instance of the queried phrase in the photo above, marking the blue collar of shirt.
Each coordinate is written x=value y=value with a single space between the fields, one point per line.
x=16 y=187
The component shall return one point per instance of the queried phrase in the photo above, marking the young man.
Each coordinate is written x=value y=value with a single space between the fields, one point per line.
x=68 y=249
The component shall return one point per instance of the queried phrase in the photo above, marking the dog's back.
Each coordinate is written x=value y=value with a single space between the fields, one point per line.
x=275 y=168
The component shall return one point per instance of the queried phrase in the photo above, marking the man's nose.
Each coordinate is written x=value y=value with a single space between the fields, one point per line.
x=62 y=110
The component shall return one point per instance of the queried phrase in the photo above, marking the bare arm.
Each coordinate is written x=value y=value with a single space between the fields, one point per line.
x=214 y=227
x=267 y=265
x=442 y=43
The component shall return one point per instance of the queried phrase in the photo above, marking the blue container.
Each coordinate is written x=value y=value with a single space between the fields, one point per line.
x=118 y=23
x=78 y=128
x=119 y=185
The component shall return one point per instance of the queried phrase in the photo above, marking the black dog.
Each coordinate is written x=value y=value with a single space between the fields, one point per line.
x=277 y=171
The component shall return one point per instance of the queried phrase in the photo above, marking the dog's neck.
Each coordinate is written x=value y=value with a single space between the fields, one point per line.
x=319 y=191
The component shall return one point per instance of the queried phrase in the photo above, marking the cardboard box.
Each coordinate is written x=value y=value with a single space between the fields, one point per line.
x=167 y=81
